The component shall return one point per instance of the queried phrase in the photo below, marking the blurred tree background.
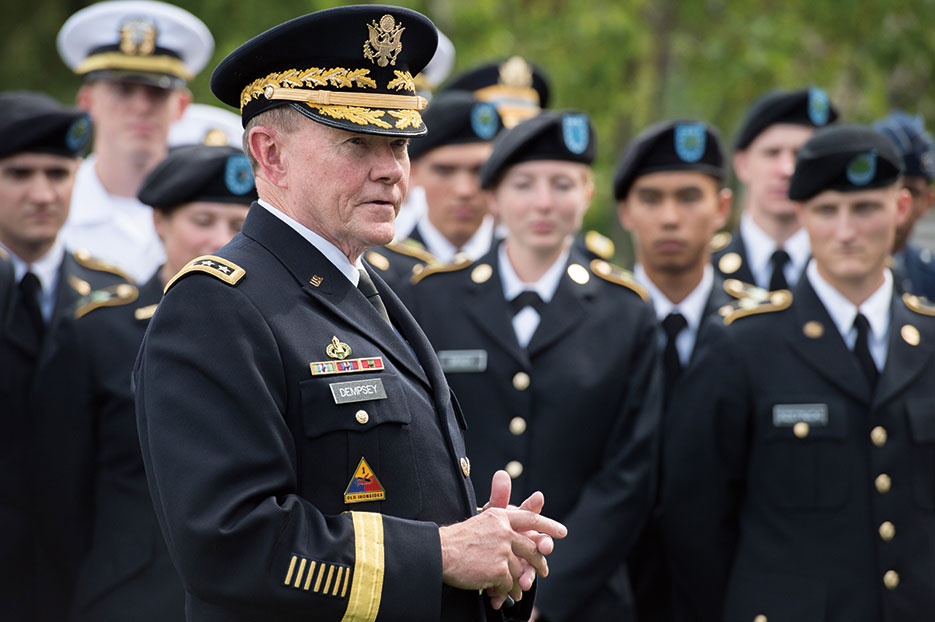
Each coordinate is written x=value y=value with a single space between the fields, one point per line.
x=627 y=64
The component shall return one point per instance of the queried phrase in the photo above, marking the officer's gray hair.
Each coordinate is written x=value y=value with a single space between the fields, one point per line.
x=282 y=118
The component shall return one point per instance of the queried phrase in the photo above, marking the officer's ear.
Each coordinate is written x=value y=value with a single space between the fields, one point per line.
x=623 y=214
x=265 y=144
x=725 y=200
x=183 y=97
x=740 y=166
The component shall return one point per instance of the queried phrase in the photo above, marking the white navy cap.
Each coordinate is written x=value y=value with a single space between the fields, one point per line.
x=207 y=125
x=136 y=40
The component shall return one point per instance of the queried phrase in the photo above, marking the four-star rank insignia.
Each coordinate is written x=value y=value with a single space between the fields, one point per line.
x=364 y=485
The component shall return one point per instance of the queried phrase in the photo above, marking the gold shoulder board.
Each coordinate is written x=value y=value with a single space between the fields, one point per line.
x=217 y=267
x=920 y=305
x=438 y=268
x=411 y=248
x=619 y=276
x=145 y=313
x=85 y=259
x=775 y=301
x=113 y=296
x=740 y=290
x=599 y=244
x=720 y=241
x=377 y=260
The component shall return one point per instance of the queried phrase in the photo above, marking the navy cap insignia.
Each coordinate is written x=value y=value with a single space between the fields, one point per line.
x=79 y=132
x=484 y=119
x=364 y=485
x=238 y=176
x=862 y=168
x=819 y=106
x=384 y=42
x=690 y=141
x=338 y=349
x=138 y=37
x=575 y=132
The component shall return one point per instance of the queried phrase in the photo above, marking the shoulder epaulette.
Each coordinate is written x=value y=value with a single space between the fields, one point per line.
x=79 y=285
x=377 y=260
x=774 y=301
x=920 y=305
x=85 y=259
x=720 y=241
x=740 y=290
x=599 y=244
x=145 y=313
x=618 y=275
x=113 y=296
x=217 y=267
x=420 y=272
x=411 y=248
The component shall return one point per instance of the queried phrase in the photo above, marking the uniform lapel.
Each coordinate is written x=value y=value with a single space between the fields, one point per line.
x=710 y=319
x=904 y=361
x=490 y=312
x=566 y=309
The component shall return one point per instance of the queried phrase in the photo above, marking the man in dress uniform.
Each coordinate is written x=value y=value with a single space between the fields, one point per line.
x=302 y=447
x=814 y=498
x=670 y=197
x=135 y=57
x=43 y=517
x=913 y=267
x=769 y=248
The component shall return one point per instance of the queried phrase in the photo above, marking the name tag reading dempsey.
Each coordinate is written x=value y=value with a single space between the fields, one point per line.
x=787 y=415
x=462 y=361
x=358 y=391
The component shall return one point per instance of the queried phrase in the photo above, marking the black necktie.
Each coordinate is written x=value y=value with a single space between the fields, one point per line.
x=777 y=281
x=368 y=289
x=862 y=350
x=672 y=325
x=525 y=299
x=29 y=288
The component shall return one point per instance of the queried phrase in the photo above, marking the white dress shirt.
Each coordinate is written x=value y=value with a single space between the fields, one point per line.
x=760 y=248
x=526 y=321
x=445 y=251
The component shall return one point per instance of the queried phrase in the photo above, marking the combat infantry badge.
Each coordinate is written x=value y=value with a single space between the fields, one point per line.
x=385 y=41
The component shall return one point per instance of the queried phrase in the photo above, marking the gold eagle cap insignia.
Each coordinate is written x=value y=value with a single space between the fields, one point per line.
x=138 y=37
x=385 y=41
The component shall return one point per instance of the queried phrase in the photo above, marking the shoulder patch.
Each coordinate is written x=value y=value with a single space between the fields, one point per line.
x=377 y=260
x=411 y=248
x=920 y=305
x=618 y=275
x=720 y=241
x=774 y=301
x=420 y=272
x=217 y=267
x=84 y=258
x=740 y=290
x=113 y=296
x=145 y=313
x=599 y=244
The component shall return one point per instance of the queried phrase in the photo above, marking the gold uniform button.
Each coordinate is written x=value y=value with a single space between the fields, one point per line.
x=883 y=483
x=800 y=429
x=887 y=531
x=466 y=466
x=514 y=468
x=760 y=618
x=891 y=579
x=521 y=381
x=878 y=436
x=362 y=417
x=517 y=425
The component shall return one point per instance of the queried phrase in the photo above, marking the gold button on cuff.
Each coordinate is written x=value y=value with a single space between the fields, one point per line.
x=883 y=483
x=517 y=426
x=514 y=468
x=760 y=618
x=466 y=466
x=887 y=531
x=800 y=429
x=878 y=436
x=362 y=417
x=521 y=381
x=891 y=579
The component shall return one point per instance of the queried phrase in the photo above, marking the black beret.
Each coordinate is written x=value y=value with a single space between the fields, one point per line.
x=912 y=141
x=810 y=107
x=552 y=135
x=517 y=88
x=349 y=67
x=670 y=146
x=208 y=173
x=35 y=122
x=456 y=118
x=846 y=158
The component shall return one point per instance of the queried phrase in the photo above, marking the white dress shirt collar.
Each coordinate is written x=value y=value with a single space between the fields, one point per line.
x=444 y=251
x=760 y=247
x=692 y=308
x=46 y=269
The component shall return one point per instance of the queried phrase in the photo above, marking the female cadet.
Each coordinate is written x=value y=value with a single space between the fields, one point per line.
x=552 y=357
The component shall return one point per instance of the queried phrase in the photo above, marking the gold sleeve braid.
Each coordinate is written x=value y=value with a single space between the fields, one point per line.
x=363 y=603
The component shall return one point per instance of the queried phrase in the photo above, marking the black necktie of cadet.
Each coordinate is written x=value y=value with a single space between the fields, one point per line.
x=29 y=289
x=368 y=289
x=527 y=299
x=778 y=259
x=862 y=350
x=672 y=325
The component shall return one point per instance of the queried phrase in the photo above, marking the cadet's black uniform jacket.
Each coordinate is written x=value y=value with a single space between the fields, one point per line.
x=575 y=409
x=730 y=262
x=44 y=502
x=249 y=455
x=810 y=498
x=397 y=262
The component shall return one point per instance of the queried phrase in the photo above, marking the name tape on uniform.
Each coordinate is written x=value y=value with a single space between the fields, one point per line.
x=787 y=415
x=357 y=391
x=462 y=361
x=348 y=366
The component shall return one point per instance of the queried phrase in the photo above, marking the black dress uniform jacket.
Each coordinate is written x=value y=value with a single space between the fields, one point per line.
x=249 y=456
x=44 y=502
x=809 y=497
x=732 y=268
x=583 y=390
